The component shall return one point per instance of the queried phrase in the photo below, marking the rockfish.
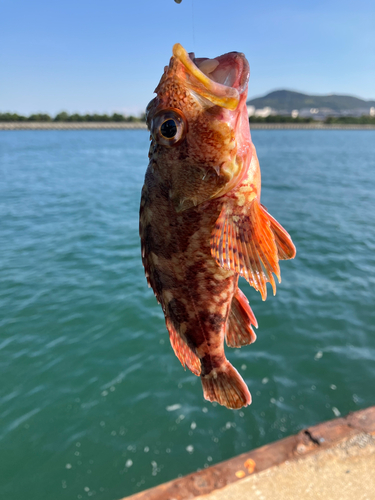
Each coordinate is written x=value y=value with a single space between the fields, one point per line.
x=201 y=221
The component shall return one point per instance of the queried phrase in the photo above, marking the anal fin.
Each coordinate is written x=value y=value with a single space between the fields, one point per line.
x=241 y=318
x=226 y=386
x=248 y=241
x=183 y=352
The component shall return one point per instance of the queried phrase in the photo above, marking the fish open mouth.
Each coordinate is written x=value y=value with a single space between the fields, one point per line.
x=221 y=80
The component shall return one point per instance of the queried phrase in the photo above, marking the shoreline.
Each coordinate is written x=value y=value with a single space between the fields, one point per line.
x=143 y=126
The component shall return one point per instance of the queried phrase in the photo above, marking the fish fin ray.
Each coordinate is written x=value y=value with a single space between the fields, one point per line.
x=183 y=352
x=285 y=246
x=251 y=244
x=241 y=319
x=226 y=386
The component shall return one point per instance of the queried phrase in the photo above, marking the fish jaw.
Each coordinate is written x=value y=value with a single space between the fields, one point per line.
x=218 y=93
x=213 y=152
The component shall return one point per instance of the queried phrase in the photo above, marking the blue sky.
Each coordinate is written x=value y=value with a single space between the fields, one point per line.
x=106 y=56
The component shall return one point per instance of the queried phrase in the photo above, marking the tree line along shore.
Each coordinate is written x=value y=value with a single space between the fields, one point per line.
x=66 y=117
x=116 y=118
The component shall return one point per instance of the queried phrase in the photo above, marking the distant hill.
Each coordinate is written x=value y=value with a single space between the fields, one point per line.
x=288 y=100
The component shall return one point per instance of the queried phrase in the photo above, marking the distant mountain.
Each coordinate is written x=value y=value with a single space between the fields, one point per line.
x=288 y=100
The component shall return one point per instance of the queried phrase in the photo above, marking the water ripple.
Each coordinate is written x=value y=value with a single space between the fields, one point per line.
x=87 y=369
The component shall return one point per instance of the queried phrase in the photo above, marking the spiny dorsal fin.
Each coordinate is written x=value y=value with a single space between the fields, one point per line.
x=249 y=244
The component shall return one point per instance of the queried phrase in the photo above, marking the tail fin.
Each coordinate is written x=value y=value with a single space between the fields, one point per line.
x=241 y=317
x=226 y=386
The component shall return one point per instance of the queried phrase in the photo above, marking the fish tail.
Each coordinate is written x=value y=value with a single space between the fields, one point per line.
x=226 y=386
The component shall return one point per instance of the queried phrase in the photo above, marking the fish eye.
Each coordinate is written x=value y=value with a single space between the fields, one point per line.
x=168 y=129
x=168 y=126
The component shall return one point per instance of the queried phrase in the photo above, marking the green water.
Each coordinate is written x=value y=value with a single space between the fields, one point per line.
x=93 y=401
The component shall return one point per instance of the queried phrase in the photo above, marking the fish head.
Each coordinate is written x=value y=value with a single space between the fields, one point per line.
x=199 y=126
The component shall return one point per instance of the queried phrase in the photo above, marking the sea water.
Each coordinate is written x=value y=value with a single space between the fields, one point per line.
x=93 y=402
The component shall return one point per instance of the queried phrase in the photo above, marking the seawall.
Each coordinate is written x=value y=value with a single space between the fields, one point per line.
x=143 y=126
x=331 y=460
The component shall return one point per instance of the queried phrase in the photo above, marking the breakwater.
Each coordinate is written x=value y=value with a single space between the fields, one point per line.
x=143 y=126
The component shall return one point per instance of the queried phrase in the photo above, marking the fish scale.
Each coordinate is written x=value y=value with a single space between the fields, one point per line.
x=201 y=221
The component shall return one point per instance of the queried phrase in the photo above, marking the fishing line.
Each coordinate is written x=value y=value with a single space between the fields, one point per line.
x=192 y=23
x=192 y=20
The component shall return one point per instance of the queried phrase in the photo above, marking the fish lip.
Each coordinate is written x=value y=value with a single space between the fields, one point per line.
x=226 y=96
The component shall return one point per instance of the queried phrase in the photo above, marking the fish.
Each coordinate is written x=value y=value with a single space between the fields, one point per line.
x=202 y=224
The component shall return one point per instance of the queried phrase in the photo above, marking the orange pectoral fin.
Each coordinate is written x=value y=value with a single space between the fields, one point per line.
x=183 y=351
x=284 y=243
x=250 y=244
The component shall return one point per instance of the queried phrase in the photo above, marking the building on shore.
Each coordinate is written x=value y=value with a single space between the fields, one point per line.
x=316 y=107
x=262 y=112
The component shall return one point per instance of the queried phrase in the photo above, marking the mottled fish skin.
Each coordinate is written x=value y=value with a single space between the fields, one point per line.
x=201 y=221
x=194 y=292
